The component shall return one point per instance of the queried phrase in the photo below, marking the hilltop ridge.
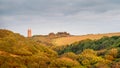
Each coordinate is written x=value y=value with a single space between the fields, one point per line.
x=72 y=39
x=64 y=38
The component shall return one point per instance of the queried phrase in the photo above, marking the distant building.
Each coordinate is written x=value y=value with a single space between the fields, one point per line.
x=29 y=33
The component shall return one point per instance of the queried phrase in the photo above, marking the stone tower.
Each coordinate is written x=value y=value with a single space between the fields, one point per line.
x=29 y=33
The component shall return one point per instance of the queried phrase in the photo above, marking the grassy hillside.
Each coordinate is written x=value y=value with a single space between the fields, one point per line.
x=45 y=40
x=100 y=44
x=17 y=51
x=48 y=39
x=72 y=39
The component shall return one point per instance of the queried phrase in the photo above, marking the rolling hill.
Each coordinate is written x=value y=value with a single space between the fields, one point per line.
x=17 y=51
x=71 y=39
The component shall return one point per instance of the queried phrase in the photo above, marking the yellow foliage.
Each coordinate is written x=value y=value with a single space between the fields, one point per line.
x=64 y=62
x=109 y=57
x=70 y=55
x=89 y=57
x=113 y=52
x=86 y=62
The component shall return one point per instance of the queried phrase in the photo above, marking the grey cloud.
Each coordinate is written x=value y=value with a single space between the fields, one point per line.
x=44 y=7
x=79 y=14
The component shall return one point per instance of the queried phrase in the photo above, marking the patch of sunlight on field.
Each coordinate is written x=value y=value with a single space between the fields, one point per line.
x=72 y=39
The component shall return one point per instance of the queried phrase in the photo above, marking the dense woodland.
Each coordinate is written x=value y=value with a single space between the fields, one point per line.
x=17 y=51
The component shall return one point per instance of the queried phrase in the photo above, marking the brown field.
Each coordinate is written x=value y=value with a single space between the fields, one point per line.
x=72 y=39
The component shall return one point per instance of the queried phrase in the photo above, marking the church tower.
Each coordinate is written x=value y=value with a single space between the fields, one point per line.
x=29 y=33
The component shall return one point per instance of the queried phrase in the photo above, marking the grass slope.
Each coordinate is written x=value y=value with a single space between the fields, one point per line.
x=72 y=39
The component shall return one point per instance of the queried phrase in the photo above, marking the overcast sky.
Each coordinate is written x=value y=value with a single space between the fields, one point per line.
x=74 y=16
